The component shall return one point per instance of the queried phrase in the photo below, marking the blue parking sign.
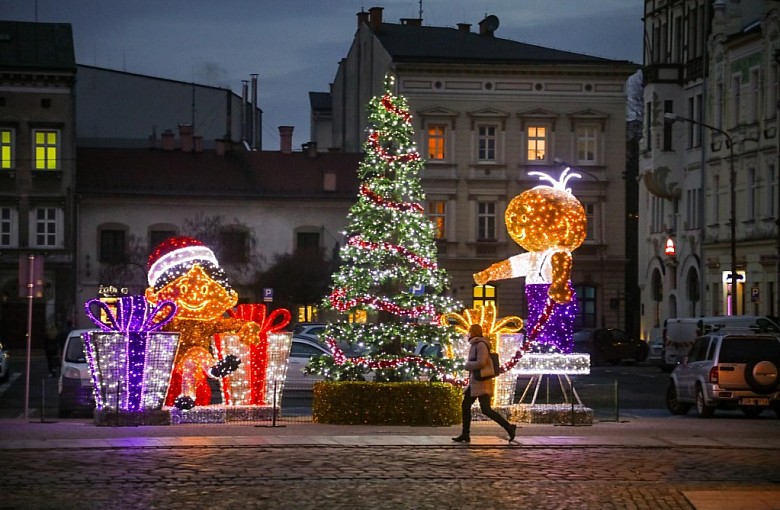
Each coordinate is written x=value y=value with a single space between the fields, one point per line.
x=268 y=294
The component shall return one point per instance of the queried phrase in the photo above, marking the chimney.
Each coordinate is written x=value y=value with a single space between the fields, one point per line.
x=185 y=133
x=310 y=148
x=464 y=27
x=411 y=22
x=253 y=116
x=167 y=140
x=244 y=108
x=197 y=143
x=362 y=18
x=285 y=139
x=375 y=18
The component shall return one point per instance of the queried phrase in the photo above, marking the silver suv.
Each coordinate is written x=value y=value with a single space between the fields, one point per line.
x=727 y=370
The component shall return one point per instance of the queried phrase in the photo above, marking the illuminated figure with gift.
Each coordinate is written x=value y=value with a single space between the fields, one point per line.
x=548 y=222
x=184 y=271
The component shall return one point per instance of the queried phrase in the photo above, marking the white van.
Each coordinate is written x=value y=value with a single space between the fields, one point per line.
x=75 y=384
x=680 y=333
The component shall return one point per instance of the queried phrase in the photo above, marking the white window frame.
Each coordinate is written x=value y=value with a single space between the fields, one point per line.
x=56 y=222
x=752 y=195
x=433 y=215
x=489 y=139
x=535 y=138
x=442 y=138
x=487 y=220
x=587 y=134
x=9 y=227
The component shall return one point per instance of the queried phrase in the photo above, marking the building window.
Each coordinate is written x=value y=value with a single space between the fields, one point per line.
x=668 y=108
x=307 y=241
x=771 y=197
x=537 y=143
x=590 y=216
x=715 y=195
x=719 y=101
x=483 y=295
x=486 y=221
x=233 y=247
x=487 y=143
x=437 y=215
x=47 y=146
x=752 y=193
x=693 y=198
x=112 y=246
x=755 y=95
x=46 y=227
x=587 y=137
x=8 y=227
x=648 y=126
x=736 y=94
x=157 y=236
x=436 y=141
x=7 y=149
x=586 y=299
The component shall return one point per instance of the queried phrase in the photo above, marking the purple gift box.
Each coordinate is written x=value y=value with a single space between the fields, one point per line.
x=130 y=359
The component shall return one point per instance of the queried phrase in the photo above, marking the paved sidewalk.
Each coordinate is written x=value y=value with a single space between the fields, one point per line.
x=641 y=462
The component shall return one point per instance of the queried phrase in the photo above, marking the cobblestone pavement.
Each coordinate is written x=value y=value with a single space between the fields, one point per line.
x=378 y=476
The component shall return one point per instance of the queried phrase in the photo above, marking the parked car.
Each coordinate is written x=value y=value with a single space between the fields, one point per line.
x=727 y=370
x=309 y=330
x=656 y=355
x=4 y=366
x=76 y=393
x=610 y=345
x=301 y=351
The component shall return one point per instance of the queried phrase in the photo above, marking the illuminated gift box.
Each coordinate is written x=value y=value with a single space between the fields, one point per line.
x=263 y=362
x=130 y=359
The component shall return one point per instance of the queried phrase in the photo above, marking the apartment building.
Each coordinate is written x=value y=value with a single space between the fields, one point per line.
x=708 y=162
x=488 y=111
x=37 y=176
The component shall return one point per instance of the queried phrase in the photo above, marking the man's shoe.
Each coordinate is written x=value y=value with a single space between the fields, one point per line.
x=463 y=438
x=512 y=430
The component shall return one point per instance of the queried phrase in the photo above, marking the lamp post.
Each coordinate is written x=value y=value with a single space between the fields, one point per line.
x=671 y=117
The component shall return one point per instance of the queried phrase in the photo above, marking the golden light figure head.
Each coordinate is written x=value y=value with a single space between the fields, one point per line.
x=197 y=295
x=547 y=216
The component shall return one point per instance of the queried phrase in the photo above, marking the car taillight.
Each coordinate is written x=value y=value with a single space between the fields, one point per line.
x=714 y=375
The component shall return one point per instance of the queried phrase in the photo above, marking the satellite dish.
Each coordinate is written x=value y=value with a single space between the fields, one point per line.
x=490 y=23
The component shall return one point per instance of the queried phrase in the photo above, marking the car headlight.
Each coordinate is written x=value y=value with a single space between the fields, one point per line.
x=71 y=373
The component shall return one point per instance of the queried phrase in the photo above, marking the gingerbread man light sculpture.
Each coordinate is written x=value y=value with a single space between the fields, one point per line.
x=548 y=222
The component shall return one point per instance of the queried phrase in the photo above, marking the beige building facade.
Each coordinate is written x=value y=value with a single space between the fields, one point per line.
x=487 y=112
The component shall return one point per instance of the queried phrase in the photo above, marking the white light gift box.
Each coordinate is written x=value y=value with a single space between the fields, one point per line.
x=238 y=386
x=130 y=359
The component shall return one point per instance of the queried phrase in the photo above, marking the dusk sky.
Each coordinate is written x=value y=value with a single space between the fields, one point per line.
x=295 y=45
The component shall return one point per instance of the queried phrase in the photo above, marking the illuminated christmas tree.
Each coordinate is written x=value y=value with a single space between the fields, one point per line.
x=388 y=272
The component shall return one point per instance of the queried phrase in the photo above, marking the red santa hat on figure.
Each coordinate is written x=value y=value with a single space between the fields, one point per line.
x=175 y=256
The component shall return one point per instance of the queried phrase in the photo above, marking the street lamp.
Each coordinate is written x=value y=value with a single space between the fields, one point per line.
x=671 y=117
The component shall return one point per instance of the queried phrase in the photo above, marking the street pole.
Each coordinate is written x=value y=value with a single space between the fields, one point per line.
x=671 y=117
x=30 y=296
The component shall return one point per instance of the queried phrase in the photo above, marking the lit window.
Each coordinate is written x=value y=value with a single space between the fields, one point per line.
x=586 y=144
x=8 y=227
x=482 y=295
x=46 y=227
x=537 y=143
x=7 y=149
x=486 y=221
x=46 y=150
x=586 y=301
x=487 y=143
x=436 y=213
x=436 y=134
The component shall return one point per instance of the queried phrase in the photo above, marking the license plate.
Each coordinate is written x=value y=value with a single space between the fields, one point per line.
x=754 y=401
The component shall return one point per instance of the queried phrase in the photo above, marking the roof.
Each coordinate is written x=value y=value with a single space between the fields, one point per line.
x=27 y=46
x=410 y=43
x=237 y=174
x=320 y=101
